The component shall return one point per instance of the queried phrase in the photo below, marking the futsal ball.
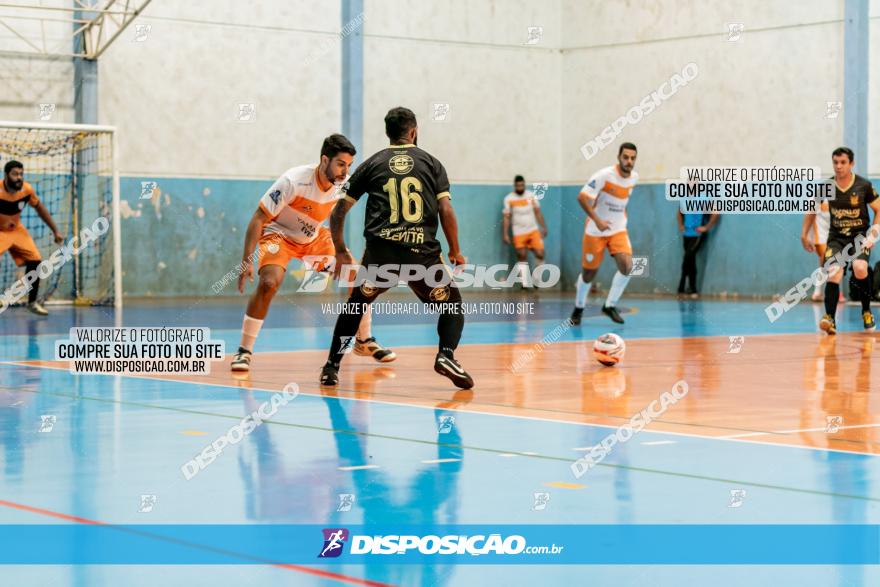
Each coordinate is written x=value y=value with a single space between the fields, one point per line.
x=609 y=349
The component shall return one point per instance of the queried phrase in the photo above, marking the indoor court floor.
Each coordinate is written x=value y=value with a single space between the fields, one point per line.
x=779 y=420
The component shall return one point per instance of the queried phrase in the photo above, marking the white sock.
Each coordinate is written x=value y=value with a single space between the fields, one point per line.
x=525 y=274
x=250 y=329
x=818 y=288
x=583 y=290
x=618 y=284
x=364 y=330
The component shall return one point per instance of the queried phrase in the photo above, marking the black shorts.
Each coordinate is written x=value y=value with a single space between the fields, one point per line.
x=436 y=287
x=837 y=243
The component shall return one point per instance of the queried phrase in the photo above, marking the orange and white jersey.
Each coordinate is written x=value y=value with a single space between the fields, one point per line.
x=821 y=224
x=609 y=194
x=521 y=209
x=298 y=204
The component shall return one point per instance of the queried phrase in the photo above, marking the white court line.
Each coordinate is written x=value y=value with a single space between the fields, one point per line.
x=658 y=442
x=358 y=467
x=435 y=461
x=462 y=410
x=799 y=430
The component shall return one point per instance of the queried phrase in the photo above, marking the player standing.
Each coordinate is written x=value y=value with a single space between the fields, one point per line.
x=523 y=213
x=408 y=193
x=288 y=225
x=849 y=219
x=604 y=199
x=15 y=194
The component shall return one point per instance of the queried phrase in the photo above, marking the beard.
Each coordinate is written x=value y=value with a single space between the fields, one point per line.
x=15 y=185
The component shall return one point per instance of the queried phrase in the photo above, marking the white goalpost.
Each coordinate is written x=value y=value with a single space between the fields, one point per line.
x=73 y=169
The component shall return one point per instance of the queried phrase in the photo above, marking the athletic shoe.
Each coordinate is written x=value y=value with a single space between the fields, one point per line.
x=329 y=375
x=868 y=321
x=612 y=313
x=694 y=295
x=818 y=296
x=576 y=316
x=827 y=324
x=37 y=308
x=371 y=348
x=448 y=367
x=241 y=361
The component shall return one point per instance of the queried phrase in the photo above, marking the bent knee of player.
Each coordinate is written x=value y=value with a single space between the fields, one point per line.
x=588 y=274
x=269 y=283
x=860 y=268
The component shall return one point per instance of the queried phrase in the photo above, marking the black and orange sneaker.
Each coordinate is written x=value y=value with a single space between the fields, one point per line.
x=868 y=321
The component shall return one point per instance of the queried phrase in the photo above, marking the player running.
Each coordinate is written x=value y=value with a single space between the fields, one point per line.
x=288 y=225
x=408 y=193
x=604 y=199
x=849 y=219
x=15 y=194
x=523 y=213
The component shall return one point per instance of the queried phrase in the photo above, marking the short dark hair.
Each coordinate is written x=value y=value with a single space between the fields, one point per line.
x=335 y=144
x=519 y=178
x=12 y=164
x=398 y=122
x=626 y=146
x=844 y=151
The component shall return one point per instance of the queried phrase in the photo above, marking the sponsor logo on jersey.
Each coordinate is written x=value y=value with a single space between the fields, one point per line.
x=401 y=164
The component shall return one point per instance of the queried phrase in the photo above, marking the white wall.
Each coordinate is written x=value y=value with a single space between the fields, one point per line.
x=175 y=95
x=503 y=95
x=757 y=101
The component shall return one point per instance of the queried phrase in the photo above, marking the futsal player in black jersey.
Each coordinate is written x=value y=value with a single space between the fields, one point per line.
x=849 y=219
x=408 y=194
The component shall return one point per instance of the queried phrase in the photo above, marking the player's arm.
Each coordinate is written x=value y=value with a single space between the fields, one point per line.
x=874 y=230
x=337 y=233
x=251 y=239
x=680 y=218
x=713 y=220
x=505 y=232
x=809 y=218
x=540 y=218
x=44 y=215
x=586 y=203
x=450 y=229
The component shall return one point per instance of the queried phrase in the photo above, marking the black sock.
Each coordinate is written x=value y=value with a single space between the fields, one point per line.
x=35 y=287
x=832 y=292
x=449 y=327
x=864 y=286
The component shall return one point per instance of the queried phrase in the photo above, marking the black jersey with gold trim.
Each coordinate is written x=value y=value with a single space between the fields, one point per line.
x=404 y=185
x=849 y=208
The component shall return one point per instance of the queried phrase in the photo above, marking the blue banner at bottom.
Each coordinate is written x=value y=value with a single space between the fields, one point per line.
x=202 y=544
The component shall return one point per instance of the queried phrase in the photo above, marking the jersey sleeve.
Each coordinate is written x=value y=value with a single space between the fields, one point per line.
x=356 y=186
x=506 y=208
x=441 y=181
x=871 y=195
x=277 y=197
x=594 y=185
x=535 y=203
x=29 y=190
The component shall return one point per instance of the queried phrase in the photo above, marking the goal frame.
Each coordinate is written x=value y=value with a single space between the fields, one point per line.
x=116 y=223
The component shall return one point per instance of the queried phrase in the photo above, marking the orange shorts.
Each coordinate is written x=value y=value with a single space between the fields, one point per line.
x=530 y=240
x=274 y=249
x=594 y=248
x=20 y=245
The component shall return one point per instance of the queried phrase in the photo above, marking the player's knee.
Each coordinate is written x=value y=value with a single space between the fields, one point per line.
x=588 y=274
x=625 y=267
x=860 y=269
x=269 y=284
x=521 y=254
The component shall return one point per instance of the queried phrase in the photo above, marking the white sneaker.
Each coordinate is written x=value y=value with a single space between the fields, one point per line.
x=37 y=308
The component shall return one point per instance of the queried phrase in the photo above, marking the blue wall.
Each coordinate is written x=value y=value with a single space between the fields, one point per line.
x=745 y=254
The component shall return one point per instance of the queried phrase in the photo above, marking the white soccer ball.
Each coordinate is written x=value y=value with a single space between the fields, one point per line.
x=609 y=349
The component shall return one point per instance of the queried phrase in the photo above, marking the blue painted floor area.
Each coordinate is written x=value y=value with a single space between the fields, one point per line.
x=115 y=439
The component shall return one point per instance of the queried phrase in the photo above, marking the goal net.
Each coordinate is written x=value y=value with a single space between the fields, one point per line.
x=73 y=171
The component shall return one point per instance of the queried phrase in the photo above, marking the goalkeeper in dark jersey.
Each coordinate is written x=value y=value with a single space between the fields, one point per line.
x=408 y=196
